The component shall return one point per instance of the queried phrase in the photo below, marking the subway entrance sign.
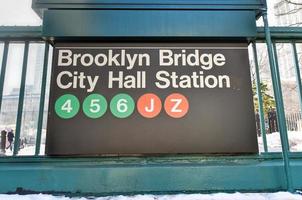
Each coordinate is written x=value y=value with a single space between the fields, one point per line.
x=143 y=98
x=78 y=96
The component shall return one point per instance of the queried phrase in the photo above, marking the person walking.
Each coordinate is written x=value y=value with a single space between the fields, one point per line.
x=258 y=128
x=10 y=138
x=272 y=120
x=3 y=140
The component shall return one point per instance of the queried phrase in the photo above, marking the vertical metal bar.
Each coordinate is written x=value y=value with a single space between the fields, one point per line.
x=282 y=124
x=282 y=121
x=279 y=103
x=298 y=75
x=21 y=99
x=3 y=70
x=260 y=101
x=42 y=100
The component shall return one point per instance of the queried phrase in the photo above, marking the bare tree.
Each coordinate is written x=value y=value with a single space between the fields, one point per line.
x=293 y=2
x=294 y=7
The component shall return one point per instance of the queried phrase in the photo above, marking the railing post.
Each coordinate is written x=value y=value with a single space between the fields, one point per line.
x=3 y=70
x=282 y=124
x=21 y=99
x=279 y=103
x=260 y=101
x=298 y=75
x=42 y=100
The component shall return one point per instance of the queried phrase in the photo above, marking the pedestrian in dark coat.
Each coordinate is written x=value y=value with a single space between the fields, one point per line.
x=258 y=128
x=3 y=140
x=272 y=120
x=10 y=138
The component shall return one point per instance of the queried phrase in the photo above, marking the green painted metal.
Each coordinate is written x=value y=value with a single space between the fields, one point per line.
x=279 y=103
x=282 y=124
x=278 y=155
x=298 y=75
x=278 y=34
x=3 y=70
x=40 y=5
x=42 y=100
x=282 y=121
x=281 y=34
x=170 y=174
x=260 y=101
x=16 y=33
x=21 y=99
x=93 y=24
x=97 y=4
x=143 y=175
x=130 y=175
x=190 y=158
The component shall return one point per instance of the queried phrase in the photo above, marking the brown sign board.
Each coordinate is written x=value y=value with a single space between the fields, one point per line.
x=150 y=98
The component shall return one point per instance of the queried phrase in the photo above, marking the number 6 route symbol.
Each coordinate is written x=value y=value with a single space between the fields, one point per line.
x=122 y=105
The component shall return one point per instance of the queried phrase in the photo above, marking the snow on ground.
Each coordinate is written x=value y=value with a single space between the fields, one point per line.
x=274 y=142
x=217 y=196
x=26 y=151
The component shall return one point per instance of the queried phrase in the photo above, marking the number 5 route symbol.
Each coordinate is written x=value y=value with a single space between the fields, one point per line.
x=95 y=106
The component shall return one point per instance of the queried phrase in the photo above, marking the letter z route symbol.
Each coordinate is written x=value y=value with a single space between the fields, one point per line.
x=176 y=105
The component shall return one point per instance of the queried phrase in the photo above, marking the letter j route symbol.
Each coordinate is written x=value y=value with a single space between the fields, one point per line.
x=149 y=105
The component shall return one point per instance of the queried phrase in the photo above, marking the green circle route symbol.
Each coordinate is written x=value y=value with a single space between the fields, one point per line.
x=67 y=106
x=122 y=105
x=95 y=106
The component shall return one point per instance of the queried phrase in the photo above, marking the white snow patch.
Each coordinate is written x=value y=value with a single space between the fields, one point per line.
x=216 y=196
x=274 y=142
x=27 y=151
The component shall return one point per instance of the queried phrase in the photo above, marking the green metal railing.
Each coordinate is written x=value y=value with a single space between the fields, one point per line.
x=26 y=35
x=270 y=35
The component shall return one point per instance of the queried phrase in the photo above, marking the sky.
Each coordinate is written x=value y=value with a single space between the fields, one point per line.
x=19 y=13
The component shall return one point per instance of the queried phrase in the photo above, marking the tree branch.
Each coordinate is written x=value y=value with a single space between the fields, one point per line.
x=292 y=2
